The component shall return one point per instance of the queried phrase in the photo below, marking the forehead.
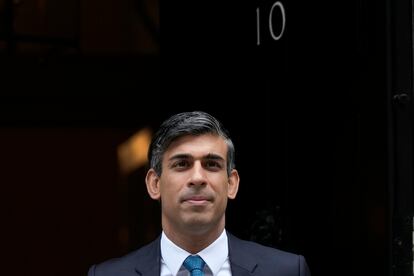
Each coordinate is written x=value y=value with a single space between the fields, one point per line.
x=198 y=146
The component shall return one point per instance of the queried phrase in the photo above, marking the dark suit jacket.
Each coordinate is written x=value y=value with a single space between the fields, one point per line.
x=246 y=259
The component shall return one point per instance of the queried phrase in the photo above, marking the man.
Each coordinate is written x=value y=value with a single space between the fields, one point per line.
x=193 y=175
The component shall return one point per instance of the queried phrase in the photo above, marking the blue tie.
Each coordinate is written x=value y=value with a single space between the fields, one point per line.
x=195 y=265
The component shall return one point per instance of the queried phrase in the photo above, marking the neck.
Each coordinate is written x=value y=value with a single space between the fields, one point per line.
x=194 y=241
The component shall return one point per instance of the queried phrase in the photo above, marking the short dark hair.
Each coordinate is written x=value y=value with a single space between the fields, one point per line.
x=187 y=123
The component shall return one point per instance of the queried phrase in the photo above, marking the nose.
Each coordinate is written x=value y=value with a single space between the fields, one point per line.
x=198 y=176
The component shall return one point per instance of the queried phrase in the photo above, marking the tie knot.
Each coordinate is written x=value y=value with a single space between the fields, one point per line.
x=194 y=264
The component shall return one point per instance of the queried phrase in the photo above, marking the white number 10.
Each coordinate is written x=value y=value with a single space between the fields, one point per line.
x=278 y=5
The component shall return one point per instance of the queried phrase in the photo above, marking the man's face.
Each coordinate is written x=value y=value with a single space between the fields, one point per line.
x=194 y=185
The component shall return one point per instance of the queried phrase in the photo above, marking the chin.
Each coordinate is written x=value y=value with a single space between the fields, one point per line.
x=202 y=224
x=197 y=222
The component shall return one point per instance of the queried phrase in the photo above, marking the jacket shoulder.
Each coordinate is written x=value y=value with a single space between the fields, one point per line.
x=126 y=265
x=264 y=251
x=267 y=260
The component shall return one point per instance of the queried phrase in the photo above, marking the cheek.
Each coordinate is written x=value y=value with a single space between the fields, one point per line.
x=170 y=189
x=221 y=192
x=220 y=185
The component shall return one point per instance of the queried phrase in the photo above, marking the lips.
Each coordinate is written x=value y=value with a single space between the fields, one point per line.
x=197 y=199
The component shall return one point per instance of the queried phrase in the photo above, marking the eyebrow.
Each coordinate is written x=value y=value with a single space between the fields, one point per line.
x=180 y=156
x=210 y=156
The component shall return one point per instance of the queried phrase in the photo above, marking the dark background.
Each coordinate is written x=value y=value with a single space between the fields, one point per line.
x=322 y=146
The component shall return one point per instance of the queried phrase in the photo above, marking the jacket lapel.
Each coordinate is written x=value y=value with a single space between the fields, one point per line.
x=241 y=261
x=149 y=262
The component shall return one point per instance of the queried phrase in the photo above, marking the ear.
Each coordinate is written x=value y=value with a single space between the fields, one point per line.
x=234 y=180
x=153 y=184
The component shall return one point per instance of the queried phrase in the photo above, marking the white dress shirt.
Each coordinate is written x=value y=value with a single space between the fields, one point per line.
x=216 y=256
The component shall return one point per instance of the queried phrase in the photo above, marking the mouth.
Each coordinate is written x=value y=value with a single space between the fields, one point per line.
x=196 y=200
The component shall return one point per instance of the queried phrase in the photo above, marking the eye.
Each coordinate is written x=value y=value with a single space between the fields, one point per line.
x=180 y=164
x=212 y=165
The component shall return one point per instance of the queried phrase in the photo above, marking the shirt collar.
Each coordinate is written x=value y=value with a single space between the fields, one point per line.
x=214 y=255
x=172 y=255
